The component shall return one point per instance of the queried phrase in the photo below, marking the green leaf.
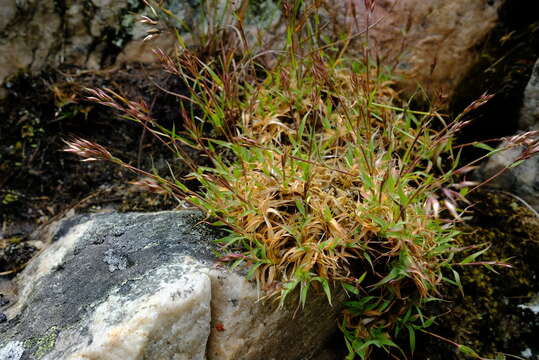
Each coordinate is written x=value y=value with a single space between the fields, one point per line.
x=360 y=348
x=411 y=335
x=301 y=127
x=360 y=305
x=253 y=269
x=468 y=351
x=325 y=286
x=300 y=206
x=355 y=67
x=362 y=277
x=428 y=322
x=350 y=288
x=351 y=354
x=472 y=257
x=516 y=163
x=303 y=293
x=484 y=146
x=402 y=197
x=407 y=316
x=395 y=273
x=369 y=260
x=236 y=263
x=289 y=286
x=457 y=281
x=384 y=306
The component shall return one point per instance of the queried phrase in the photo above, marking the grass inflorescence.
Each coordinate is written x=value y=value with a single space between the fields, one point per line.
x=324 y=178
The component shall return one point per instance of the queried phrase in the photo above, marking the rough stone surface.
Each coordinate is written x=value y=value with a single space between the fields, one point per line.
x=529 y=114
x=40 y=33
x=432 y=42
x=92 y=34
x=146 y=286
x=266 y=334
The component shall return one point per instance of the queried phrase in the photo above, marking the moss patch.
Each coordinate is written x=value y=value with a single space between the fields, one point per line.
x=488 y=318
x=41 y=345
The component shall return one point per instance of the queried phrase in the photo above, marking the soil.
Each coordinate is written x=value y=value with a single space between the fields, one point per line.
x=39 y=182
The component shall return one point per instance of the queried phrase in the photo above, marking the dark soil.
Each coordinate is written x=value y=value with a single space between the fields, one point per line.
x=39 y=182
x=488 y=317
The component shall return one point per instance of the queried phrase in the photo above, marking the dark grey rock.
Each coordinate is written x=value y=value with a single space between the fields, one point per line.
x=520 y=180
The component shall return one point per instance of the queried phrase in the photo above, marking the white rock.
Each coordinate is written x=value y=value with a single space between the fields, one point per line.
x=522 y=180
x=173 y=323
x=13 y=350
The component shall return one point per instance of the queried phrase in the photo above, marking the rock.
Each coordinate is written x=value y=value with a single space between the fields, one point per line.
x=523 y=179
x=86 y=34
x=133 y=286
x=433 y=43
x=430 y=43
x=529 y=114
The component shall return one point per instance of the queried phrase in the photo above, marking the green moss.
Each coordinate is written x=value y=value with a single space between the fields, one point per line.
x=488 y=318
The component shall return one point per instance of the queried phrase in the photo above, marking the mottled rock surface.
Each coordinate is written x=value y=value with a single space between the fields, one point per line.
x=134 y=286
x=81 y=33
x=521 y=180
x=94 y=34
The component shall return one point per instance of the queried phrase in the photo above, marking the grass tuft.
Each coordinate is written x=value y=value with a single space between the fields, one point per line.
x=323 y=176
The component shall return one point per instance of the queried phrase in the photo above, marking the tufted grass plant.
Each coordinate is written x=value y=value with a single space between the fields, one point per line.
x=324 y=178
